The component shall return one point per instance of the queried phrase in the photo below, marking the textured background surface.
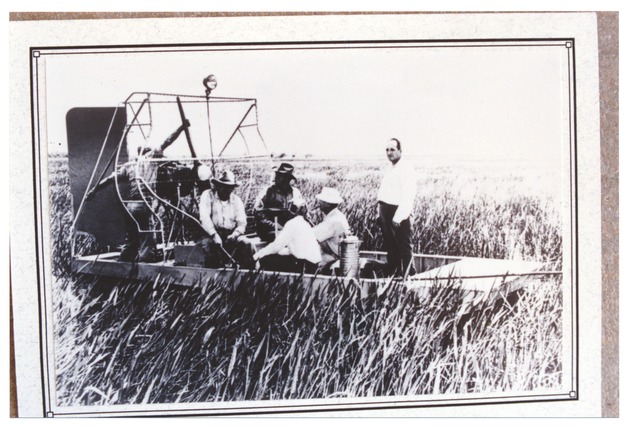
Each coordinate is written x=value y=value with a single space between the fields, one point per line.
x=608 y=34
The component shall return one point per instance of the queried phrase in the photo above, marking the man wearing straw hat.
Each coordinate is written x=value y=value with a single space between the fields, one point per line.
x=222 y=216
x=272 y=208
x=333 y=227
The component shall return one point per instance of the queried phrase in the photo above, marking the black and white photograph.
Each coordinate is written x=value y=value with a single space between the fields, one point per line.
x=263 y=224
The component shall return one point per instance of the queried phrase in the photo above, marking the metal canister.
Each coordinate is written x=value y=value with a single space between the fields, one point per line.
x=350 y=262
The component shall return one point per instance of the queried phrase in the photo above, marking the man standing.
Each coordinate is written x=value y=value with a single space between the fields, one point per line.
x=222 y=216
x=395 y=201
x=272 y=206
x=333 y=227
x=136 y=182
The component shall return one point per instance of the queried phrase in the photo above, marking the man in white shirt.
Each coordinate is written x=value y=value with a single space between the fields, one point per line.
x=295 y=248
x=333 y=227
x=395 y=202
x=222 y=216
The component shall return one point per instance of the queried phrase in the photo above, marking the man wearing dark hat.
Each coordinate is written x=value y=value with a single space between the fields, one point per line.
x=272 y=209
x=222 y=216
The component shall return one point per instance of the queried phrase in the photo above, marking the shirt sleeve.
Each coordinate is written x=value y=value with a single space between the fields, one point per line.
x=298 y=199
x=205 y=213
x=241 y=217
x=324 y=231
x=260 y=200
x=117 y=174
x=124 y=172
x=408 y=183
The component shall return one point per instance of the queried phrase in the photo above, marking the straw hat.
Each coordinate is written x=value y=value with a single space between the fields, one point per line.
x=226 y=178
x=330 y=195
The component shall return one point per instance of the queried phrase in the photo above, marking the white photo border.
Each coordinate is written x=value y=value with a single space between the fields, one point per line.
x=575 y=178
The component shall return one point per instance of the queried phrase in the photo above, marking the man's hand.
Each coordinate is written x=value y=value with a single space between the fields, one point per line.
x=233 y=236
x=216 y=239
x=185 y=124
x=268 y=223
x=89 y=194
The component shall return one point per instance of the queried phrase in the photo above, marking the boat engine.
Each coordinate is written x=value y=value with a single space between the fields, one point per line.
x=175 y=181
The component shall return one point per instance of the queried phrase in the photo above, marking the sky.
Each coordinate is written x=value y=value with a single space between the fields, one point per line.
x=461 y=102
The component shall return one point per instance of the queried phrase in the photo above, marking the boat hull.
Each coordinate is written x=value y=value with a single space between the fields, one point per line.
x=474 y=280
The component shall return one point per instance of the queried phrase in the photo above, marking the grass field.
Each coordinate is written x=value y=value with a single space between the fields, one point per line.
x=272 y=339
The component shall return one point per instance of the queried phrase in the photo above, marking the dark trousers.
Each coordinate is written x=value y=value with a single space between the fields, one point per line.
x=139 y=243
x=288 y=264
x=397 y=241
x=240 y=250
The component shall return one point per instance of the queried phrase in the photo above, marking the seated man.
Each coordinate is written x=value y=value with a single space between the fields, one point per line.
x=271 y=209
x=333 y=227
x=222 y=216
x=295 y=249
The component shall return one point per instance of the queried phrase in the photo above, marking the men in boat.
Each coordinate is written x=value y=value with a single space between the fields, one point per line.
x=395 y=201
x=333 y=227
x=222 y=216
x=272 y=206
x=136 y=183
x=295 y=248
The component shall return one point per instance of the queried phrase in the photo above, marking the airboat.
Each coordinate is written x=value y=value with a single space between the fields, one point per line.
x=223 y=133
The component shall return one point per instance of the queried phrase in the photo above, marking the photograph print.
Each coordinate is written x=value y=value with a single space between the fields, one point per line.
x=305 y=226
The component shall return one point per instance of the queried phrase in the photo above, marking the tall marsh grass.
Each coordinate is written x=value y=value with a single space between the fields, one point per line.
x=269 y=339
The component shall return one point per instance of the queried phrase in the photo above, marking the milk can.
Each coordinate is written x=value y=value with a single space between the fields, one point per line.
x=350 y=262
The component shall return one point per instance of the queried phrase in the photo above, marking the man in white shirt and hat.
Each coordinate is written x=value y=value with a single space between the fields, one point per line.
x=295 y=248
x=222 y=216
x=395 y=202
x=333 y=227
